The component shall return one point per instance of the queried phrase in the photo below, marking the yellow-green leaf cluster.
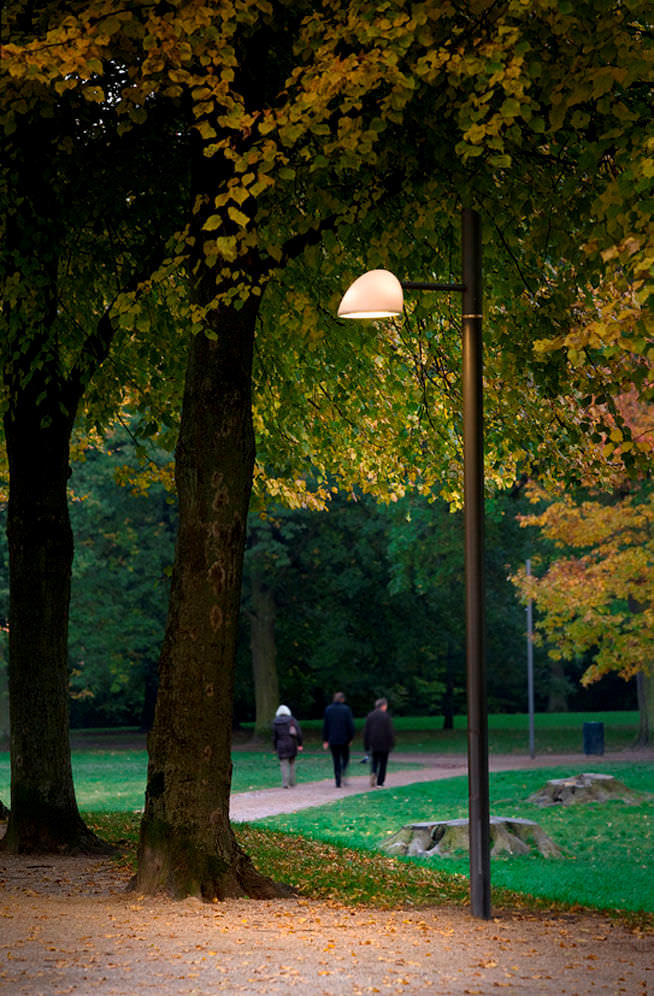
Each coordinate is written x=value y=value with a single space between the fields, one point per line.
x=598 y=597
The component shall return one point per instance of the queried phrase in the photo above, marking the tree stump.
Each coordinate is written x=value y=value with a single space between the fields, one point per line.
x=583 y=788
x=445 y=838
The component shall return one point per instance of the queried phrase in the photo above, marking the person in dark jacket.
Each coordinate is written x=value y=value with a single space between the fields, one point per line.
x=337 y=734
x=378 y=741
x=287 y=741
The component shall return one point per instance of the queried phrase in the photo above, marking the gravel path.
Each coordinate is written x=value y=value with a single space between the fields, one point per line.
x=90 y=939
x=255 y=804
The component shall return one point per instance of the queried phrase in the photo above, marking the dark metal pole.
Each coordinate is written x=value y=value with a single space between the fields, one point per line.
x=473 y=459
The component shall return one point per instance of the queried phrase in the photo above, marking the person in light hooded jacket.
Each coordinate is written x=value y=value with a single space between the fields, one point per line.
x=287 y=741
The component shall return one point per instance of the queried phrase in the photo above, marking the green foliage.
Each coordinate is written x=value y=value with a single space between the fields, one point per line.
x=76 y=255
x=125 y=537
x=315 y=137
x=124 y=552
x=370 y=598
x=338 y=622
x=539 y=117
x=597 y=595
x=332 y=138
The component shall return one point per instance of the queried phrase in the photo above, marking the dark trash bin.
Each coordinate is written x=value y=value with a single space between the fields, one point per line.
x=593 y=738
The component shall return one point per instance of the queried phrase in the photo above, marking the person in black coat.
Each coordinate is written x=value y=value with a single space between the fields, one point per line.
x=287 y=741
x=337 y=734
x=378 y=741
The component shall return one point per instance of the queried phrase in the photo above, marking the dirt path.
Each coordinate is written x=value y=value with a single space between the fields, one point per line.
x=256 y=804
x=67 y=926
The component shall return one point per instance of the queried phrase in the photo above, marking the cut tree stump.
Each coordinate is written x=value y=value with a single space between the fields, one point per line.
x=583 y=788
x=508 y=835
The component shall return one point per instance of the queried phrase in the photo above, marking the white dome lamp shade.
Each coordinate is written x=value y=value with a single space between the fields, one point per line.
x=375 y=294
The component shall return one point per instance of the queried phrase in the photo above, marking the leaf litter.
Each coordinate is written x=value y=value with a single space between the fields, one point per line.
x=68 y=926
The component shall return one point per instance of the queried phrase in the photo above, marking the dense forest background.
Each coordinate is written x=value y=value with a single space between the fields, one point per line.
x=366 y=597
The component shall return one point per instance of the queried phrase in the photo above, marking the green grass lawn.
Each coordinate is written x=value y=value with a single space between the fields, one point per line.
x=608 y=860
x=554 y=733
x=608 y=849
x=114 y=781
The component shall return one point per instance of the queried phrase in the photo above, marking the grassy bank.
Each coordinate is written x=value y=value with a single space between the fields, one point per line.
x=555 y=733
x=109 y=766
x=331 y=852
x=608 y=849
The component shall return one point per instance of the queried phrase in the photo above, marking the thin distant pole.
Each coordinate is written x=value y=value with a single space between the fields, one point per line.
x=530 y=670
x=473 y=509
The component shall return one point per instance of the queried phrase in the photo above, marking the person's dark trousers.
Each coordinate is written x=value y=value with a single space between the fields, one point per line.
x=341 y=758
x=379 y=762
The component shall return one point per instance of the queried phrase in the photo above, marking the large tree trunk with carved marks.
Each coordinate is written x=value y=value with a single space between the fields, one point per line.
x=186 y=843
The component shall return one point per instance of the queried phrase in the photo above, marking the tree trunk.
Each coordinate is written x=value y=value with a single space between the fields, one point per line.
x=186 y=843
x=448 y=694
x=645 y=686
x=559 y=688
x=447 y=838
x=645 y=690
x=4 y=704
x=44 y=814
x=40 y=410
x=264 y=657
x=585 y=788
x=150 y=685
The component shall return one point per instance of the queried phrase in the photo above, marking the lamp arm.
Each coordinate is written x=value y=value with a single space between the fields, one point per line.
x=417 y=285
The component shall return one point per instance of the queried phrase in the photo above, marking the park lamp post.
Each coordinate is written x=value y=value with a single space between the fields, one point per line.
x=379 y=294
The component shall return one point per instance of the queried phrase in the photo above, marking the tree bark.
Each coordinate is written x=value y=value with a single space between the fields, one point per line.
x=44 y=814
x=448 y=695
x=645 y=686
x=4 y=706
x=41 y=404
x=645 y=691
x=508 y=835
x=264 y=657
x=558 y=688
x=186 y=843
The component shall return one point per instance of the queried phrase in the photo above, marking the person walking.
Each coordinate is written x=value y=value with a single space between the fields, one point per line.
x=378 y=741
x=287 y=741
x=337 y=734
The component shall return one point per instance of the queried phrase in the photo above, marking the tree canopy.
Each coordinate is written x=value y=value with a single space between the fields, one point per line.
x=599 y=597
x=364 y=150
x=312 y=138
